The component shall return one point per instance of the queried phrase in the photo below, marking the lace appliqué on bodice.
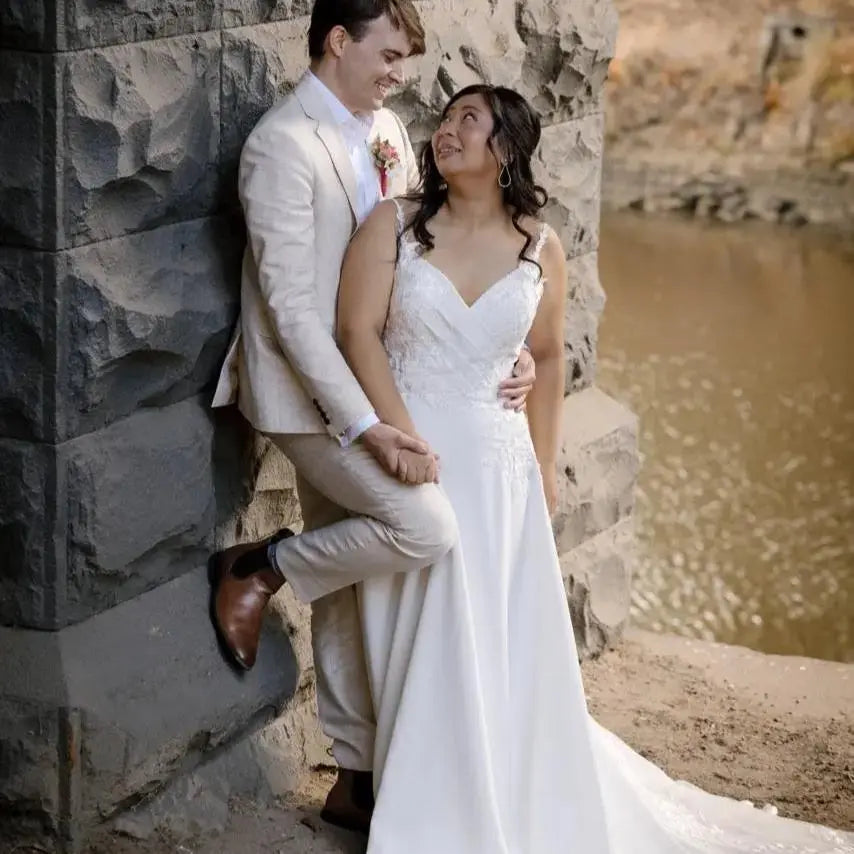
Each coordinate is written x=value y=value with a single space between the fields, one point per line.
x=453 y=356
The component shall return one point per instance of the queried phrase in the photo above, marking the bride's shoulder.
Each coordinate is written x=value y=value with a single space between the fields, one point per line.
x=380 y=228
x=408 y=206
x=543 y=237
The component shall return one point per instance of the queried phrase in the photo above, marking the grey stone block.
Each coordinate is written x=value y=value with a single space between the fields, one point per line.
x=141 y=136
x=53 y=25
x=26 y=341
x=89 y=24
x=90 y=335
x=241 y=13
x=566 y=56
x=259 y=65
x=594 y=526
x=26 y=24
x=30 y=788
x=28 y=582
x=569 y=165
x=597 y=579
x=599 y=464
x=140 y=505
x=95 y=521
x=585 y=303
x=141 y=693
x=27 y=149
x=147 y=319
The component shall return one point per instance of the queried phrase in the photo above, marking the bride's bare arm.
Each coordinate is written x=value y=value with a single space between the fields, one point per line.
x=367 y=278
x=546 y=343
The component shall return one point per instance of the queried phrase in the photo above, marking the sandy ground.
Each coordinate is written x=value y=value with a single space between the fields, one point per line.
x=737 y=723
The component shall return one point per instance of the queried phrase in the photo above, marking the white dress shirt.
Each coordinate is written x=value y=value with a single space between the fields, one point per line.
x=354 y=131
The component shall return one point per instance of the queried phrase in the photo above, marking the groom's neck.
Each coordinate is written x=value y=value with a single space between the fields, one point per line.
x=325 y=72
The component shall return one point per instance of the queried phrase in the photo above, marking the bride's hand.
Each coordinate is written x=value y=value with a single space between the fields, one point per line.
x=549 y=474
x=415 y=469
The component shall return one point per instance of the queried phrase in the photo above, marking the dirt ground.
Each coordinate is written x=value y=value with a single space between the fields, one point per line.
x=762 y=728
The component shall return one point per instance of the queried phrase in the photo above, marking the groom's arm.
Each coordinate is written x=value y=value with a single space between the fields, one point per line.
x=277 y=192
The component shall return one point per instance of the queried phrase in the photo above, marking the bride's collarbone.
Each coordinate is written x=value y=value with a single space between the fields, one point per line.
x=474 y=267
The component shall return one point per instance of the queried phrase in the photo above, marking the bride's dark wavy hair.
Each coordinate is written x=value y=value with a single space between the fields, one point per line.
x=515 y=136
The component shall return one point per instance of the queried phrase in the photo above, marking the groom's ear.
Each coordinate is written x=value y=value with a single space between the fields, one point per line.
x=336 y=40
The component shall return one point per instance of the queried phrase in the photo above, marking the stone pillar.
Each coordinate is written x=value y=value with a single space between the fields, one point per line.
x=119 y=254
x=120 y=239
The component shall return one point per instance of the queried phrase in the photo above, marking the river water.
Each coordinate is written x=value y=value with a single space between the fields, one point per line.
x=735 y=346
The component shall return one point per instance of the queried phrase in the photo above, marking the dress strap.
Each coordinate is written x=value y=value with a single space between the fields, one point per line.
x=541 y=241
x=401 y=221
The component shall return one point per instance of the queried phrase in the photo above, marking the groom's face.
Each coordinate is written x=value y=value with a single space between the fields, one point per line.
x=371 y=67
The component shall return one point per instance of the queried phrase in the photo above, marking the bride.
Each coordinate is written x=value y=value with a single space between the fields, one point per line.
x=484 y=743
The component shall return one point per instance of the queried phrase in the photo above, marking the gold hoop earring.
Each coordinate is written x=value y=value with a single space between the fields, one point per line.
x=505 y=179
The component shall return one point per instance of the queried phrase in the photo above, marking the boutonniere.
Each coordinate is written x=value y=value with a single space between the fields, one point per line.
x=386 y=158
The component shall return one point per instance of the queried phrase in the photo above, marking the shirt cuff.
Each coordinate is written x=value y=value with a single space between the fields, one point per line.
x=357 y=428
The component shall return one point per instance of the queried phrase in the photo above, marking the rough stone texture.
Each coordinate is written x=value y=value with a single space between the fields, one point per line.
x=132 y=523
x=147 y=319
x=141 y=136
x=585 y=304
x=599 y=462
x=27 y=150
x=29 y=778
x=134 y=711
x=754 y=120
x=100 y=519
x=556 y=54
x=142 y=321
x=240 y=13
x=26 y=383
x=53 y=25
x=27 y=554
x=569 y=167
x=597 y=578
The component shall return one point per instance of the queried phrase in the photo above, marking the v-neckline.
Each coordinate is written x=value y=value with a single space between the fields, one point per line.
x=456 y=290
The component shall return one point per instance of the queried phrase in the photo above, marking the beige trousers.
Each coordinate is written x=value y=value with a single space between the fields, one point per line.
x=359 y=523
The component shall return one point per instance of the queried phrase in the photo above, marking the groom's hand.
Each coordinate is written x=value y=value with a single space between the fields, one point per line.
x=514 y=391
x=386 y=442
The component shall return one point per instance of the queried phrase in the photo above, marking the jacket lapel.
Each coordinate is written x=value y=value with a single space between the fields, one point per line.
x=330 y=136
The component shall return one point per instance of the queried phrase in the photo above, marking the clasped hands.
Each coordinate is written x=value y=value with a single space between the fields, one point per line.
x=407 y=458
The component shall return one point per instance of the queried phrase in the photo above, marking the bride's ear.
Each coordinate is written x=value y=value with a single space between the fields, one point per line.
x=502 y=157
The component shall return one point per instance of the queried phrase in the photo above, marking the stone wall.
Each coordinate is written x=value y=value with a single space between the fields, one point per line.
x=120 y=129
x=733 y=110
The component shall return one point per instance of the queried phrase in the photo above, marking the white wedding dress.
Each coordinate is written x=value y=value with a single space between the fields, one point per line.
x=484 y=742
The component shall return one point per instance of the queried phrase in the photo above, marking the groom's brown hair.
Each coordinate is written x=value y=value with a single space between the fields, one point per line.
x=356 y=15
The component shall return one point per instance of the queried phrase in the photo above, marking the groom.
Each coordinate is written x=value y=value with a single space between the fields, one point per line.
x=310 y=172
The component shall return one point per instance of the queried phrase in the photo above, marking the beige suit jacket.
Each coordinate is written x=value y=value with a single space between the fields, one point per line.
x=298 y=191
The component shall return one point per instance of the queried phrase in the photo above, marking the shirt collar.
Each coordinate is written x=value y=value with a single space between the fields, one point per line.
x=361 y=123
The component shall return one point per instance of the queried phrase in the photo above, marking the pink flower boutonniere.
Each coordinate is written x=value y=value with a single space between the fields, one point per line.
x=386 y=158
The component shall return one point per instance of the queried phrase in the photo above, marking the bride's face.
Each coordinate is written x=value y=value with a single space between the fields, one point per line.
x=461 y=143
